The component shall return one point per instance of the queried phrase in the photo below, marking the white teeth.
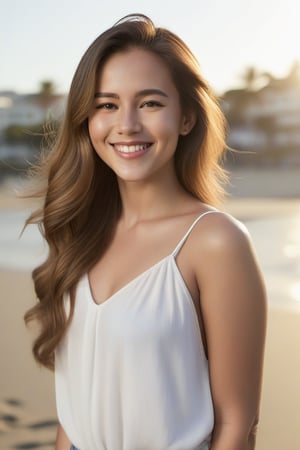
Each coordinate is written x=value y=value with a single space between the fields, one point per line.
x=130 y=148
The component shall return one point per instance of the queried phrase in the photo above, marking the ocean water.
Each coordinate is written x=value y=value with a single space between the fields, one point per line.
x=277 y=244
x=276 y=241
x=19 y=252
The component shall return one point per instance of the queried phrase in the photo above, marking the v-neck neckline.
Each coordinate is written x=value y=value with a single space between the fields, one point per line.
x=171 y=256
x=125 y=286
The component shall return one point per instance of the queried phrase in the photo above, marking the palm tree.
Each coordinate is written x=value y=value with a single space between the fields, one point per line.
x=253 y=79
x=249 y=78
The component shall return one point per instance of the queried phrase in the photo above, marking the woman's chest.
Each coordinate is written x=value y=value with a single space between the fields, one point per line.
x=155 y=307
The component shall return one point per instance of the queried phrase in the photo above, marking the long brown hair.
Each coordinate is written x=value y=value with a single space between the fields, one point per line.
x=81 y=198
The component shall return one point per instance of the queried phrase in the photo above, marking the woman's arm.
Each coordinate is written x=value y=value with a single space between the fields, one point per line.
x=233 y=305
x=62 y=441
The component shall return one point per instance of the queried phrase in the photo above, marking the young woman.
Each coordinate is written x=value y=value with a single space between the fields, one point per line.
x=151 y=304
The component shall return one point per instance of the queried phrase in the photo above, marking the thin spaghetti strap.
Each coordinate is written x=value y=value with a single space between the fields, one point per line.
x=182 y=241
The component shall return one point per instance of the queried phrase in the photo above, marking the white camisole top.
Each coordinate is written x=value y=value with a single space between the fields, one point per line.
x=131 y=372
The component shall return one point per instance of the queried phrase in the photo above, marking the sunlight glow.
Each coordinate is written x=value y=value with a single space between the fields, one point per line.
x=295 y=291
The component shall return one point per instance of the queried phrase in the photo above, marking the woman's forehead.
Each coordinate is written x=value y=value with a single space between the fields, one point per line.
x=136 y=70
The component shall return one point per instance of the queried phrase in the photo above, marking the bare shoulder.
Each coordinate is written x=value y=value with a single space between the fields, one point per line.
x=221 y=247
x=223 y=257
x=219 y=232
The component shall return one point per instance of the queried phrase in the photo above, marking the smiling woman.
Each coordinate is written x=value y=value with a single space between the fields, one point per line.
x=137 y=116
x=151 y=303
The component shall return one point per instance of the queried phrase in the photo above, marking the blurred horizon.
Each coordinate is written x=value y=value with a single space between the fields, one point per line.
x=262 y=78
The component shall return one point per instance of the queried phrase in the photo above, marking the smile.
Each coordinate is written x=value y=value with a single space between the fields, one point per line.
x=134 y=148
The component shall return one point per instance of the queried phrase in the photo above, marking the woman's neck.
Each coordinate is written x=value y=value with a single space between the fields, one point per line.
x=148 y=200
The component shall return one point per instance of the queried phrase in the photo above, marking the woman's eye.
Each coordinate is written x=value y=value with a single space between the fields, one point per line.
x=107 y=106
x=151 y=104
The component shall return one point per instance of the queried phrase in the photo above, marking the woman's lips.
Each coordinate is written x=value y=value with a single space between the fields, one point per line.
x=131 y=150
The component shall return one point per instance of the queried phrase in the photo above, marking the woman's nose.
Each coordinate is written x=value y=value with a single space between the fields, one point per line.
x=129 y=121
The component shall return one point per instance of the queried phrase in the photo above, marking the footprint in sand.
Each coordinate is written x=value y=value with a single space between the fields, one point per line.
x=19 y=430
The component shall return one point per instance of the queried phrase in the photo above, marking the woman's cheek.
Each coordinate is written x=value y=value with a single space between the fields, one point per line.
x=96 y=128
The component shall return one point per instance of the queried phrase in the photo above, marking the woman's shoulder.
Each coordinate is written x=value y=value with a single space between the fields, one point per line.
x=220 y=248
x=217 y=230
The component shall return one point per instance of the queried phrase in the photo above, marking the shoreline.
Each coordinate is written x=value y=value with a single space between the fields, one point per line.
x=251 y=192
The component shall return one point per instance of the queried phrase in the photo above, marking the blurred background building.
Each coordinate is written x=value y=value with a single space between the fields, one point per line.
x=266 y=120
x=25 y=120
x=263 y=121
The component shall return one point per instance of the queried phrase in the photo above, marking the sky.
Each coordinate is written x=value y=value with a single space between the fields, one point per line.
x=45 y=39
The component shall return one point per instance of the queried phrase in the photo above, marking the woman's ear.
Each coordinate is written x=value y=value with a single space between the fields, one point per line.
x=188 y=121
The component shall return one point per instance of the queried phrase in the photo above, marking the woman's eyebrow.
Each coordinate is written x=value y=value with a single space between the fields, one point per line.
x=141 y=93
x=106 y=94
x=145 y=92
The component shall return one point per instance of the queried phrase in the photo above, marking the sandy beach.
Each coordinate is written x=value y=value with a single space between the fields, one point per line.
x=27 y=400
x=27 y=403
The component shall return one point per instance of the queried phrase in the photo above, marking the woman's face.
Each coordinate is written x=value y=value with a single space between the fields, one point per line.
x=136 y=117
